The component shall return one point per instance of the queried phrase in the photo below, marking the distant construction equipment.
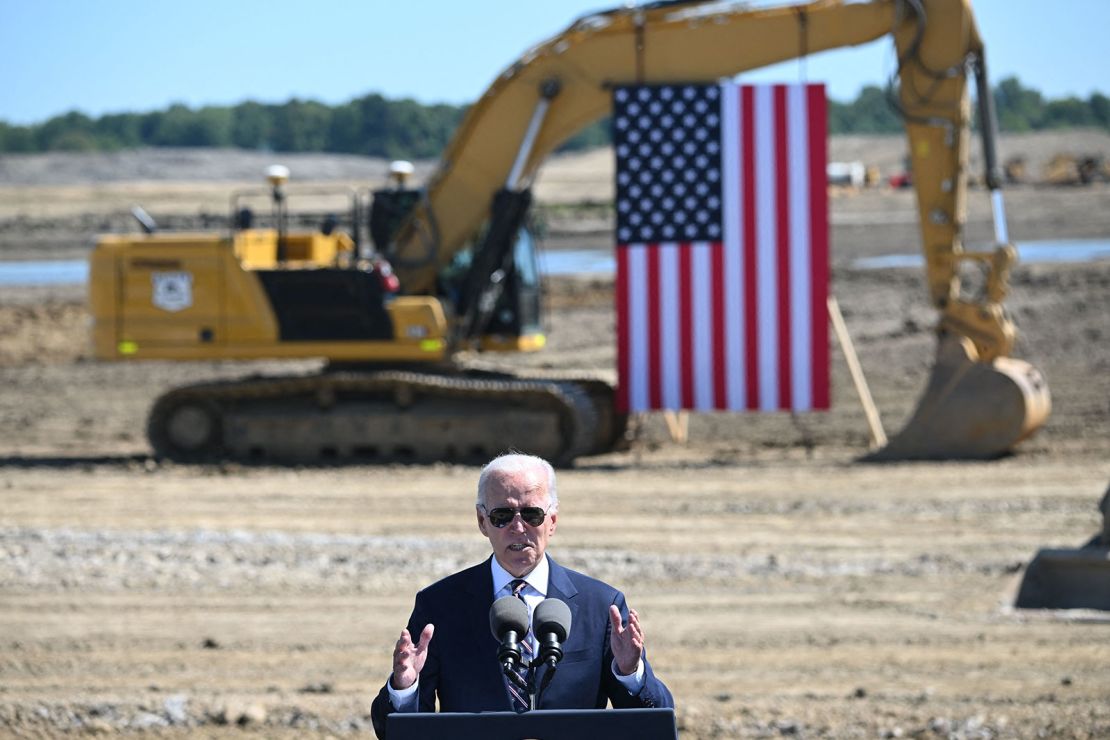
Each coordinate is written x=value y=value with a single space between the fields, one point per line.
x=1071 y=578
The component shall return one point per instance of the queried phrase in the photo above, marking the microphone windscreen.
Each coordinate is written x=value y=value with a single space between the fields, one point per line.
x=508 y=613
x=553 y=615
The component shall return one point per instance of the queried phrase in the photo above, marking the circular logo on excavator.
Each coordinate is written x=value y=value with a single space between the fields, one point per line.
x=172 y=291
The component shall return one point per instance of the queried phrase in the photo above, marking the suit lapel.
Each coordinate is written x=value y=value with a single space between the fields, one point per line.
x=559 y=586
x=489 y=682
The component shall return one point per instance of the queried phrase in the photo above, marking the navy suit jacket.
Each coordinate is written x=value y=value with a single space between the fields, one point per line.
x=462 y=671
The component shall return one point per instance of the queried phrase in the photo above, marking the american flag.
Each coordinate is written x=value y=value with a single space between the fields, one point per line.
x=722 y=247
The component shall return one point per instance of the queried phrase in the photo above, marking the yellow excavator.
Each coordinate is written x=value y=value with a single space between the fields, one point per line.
x=454 y=266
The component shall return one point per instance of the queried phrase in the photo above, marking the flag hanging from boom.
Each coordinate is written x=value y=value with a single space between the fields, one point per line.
x=722 y=247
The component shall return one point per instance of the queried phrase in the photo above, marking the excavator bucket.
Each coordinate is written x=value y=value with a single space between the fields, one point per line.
x=971 y=409
x=1065 y=578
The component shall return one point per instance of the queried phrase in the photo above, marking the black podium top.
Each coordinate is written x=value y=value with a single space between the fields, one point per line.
x=542 y=724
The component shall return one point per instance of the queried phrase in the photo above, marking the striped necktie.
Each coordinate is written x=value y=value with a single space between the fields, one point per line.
x=521 y=702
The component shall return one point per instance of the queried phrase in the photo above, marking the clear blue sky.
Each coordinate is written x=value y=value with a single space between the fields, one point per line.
x=110 y=56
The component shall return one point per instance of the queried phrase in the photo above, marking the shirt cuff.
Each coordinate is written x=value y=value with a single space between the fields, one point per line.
x=404 y=700
x=633 y=681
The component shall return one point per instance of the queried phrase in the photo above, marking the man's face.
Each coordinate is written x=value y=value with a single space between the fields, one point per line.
x=517 y=546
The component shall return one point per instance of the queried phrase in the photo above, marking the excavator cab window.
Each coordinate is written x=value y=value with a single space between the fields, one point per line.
x=516 y=284
x=518 y=308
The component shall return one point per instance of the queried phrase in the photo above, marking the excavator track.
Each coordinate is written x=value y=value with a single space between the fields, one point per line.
x=378 y=417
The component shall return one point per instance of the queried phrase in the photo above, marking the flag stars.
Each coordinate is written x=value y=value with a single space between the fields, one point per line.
x=666 y=140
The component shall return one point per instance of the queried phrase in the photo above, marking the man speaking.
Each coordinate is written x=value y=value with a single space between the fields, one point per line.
x=449 y=651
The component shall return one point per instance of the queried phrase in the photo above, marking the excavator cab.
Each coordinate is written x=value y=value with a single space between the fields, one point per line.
x=512 y=295
x=493 y=286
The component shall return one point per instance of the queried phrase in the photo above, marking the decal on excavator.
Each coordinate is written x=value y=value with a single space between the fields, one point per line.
x=172 y=291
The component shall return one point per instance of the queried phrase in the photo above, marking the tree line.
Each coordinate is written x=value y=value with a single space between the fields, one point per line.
x=375 y=126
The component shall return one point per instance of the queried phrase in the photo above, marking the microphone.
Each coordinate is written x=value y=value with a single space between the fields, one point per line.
x=508 y=620
x=552 y=626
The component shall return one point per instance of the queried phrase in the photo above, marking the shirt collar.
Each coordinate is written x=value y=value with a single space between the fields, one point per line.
x=537 y=579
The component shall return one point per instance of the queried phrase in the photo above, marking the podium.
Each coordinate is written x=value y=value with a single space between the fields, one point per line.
x=542 y=724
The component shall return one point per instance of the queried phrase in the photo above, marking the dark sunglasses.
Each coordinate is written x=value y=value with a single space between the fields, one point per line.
x=500 y=517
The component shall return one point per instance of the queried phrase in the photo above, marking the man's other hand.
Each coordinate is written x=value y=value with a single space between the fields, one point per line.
x=627 y=642
x=408 y=659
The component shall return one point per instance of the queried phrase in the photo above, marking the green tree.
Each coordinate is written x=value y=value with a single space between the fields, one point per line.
x=207 y=127
x=1019 y=108
x=252 y=126
x=71 y=131
x=595 y=135
x=301 y=126
x=873 y=114
x=118 y=131
x=16 y=139
x=1067 y=112
x=1100 y=110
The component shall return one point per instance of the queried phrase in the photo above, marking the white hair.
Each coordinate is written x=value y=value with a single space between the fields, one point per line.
x=515 y=462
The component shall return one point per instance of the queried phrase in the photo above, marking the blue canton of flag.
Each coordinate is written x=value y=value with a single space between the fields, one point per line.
x=668 y=147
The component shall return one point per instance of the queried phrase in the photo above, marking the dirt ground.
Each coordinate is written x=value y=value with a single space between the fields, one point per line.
x=787 y=589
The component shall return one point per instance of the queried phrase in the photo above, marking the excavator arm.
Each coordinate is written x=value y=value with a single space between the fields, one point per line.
x=979 y=402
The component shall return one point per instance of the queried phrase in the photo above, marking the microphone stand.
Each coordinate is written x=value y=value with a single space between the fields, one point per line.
x=551 y=652
x=552 y=664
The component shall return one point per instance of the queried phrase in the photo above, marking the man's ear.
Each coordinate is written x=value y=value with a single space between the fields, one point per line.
x=481 y=521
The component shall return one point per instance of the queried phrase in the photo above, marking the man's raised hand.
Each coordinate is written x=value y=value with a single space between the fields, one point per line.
x=627 y=642
x=408 y=658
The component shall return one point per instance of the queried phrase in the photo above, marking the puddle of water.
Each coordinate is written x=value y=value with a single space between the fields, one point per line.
x=42 y=272
x=598 y=262
x=1058 y=250
x=578 y=262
